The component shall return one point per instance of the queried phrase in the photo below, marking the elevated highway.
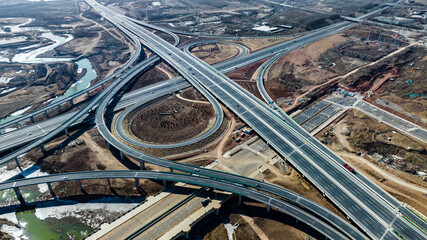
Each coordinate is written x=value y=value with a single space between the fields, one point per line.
x=270 y=201
x=365 y=207
x=201 y=76
x=99 y=119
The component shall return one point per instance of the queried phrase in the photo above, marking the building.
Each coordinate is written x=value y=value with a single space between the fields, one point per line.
x=395 y=20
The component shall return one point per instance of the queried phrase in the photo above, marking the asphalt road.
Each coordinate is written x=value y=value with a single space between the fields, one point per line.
x=249 y=105
x=219 y=175
x=78 y=115
x=283 y=206
x=24 y=135
x=32 y=132
x=43 y=110
x=367 y=208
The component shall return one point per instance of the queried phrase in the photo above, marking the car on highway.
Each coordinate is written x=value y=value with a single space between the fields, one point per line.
x=349 y=168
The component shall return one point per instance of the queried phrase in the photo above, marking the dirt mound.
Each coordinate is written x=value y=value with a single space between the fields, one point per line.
x=171 y=120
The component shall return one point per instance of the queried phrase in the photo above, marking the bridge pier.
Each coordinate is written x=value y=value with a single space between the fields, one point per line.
x=137 y=183
x=109 y=184
x=88 y=94
x=46 y=114
x=71 y=102
x=19 y=196
x=42 y=148
x=66 y=131
x=32 y=119
x=170 y=169
x=17 y=164
x=164 y=184
x=108 y=145
x=142 y=165
x=296 y=222
x=80 y=186
x=59 y=107
x=49 y=186
x=122 y=156
x=240 y=200
x=268 y=208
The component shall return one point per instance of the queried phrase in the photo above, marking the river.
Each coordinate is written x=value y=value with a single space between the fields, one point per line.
x=31 y=57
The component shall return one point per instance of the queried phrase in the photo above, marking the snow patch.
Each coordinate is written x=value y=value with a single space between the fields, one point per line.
x=4 y=59
x=42 y=187
x=13 y=231
x=8 y=90
x=5 y=80
x=230 y=229
x=21 y=111
x=92 y=213
x=11 y=217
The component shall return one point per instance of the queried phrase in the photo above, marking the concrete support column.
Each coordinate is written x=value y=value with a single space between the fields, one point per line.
x=71 y=102
x=268 y=208
x=296 y=222
x=17 y=164
x=164 y=183
x=80 y=186
x=66 y=131
x=88 y=94
x=109 y=184
x=142 y=165
x=51 y=191
x=59 y=107
x=46 y=114
x=170 y=169
x=240 y=200
x=17 y=125
x=42 y=148
x=108 y=145
x=32 y=119
x=122 y=156
x=137 y=183
x=217 y=211
x=19 y=196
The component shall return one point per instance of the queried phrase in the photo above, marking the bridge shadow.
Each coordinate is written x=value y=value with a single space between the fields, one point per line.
x=91 y=199
x=275 y=224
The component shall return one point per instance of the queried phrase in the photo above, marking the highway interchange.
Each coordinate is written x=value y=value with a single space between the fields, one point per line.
x=370 y=207
x=365 y=203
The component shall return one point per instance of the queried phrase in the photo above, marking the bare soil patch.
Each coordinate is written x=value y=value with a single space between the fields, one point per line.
x=171 y=120
x=215 y=52
x=192 y=94
x=153 y=75
x=275 y=224
x=364 y=142
x=255 y=44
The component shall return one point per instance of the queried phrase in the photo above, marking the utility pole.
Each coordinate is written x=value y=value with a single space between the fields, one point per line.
x=357 y=30
x=369 y=35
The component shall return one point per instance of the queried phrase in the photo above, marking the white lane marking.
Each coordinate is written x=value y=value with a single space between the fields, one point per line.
x=41 y=128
